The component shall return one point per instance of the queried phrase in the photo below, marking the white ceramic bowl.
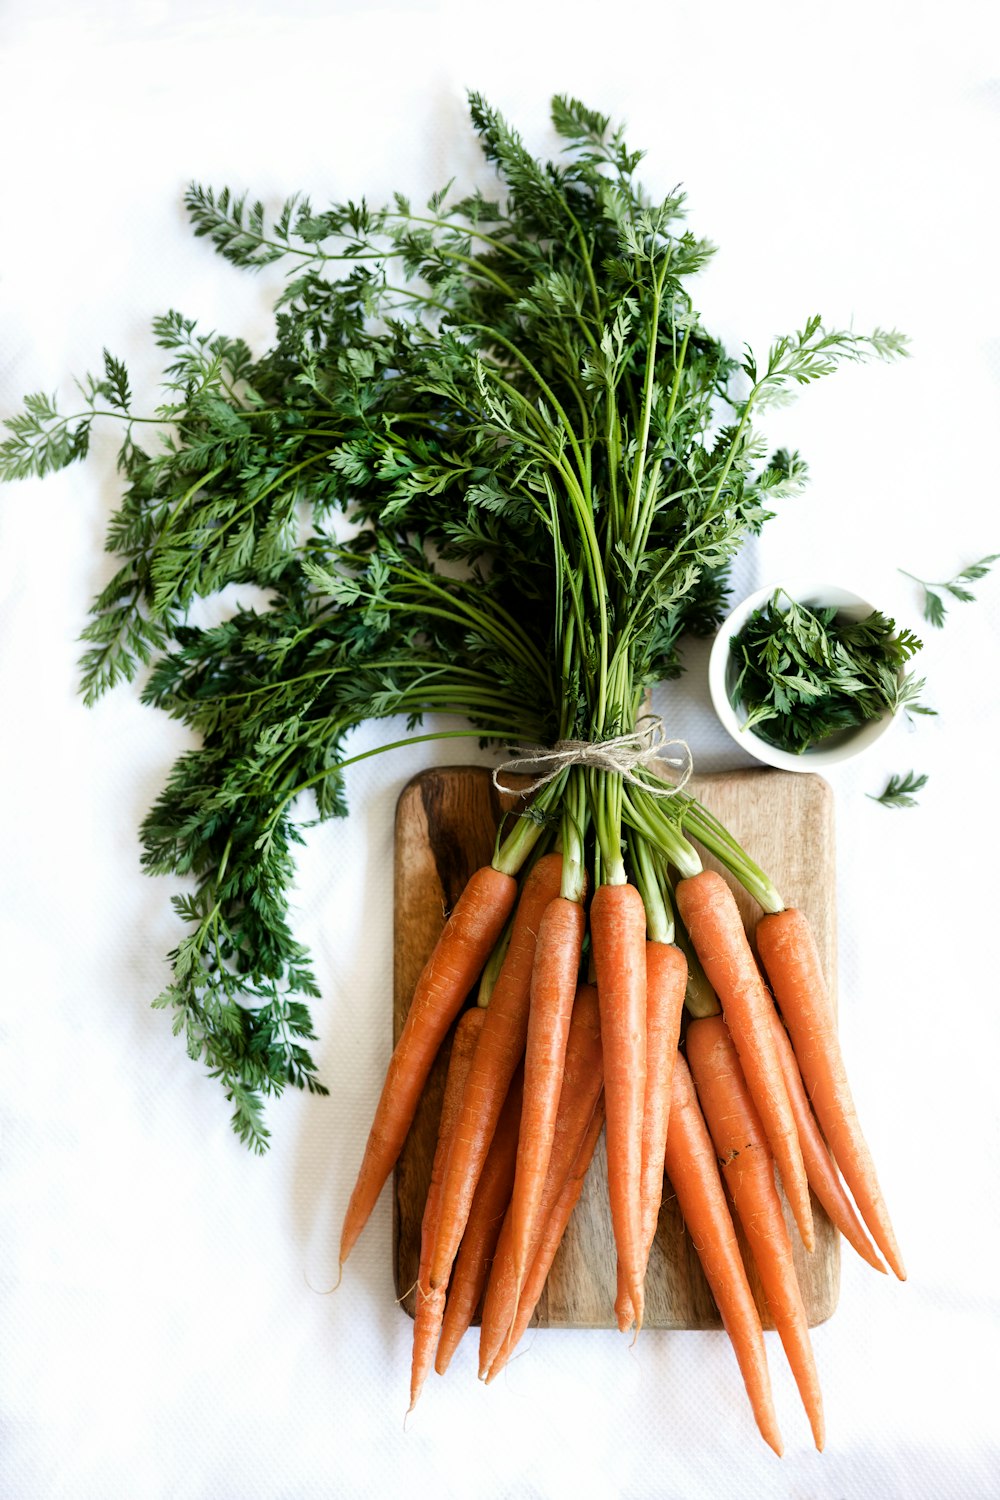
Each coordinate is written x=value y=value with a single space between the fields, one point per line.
x=722 y=673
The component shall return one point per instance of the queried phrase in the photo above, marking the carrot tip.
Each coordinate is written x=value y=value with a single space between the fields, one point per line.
x=638 y=1308
x=767 y=1426
x=802 y=1214
x=892 y=1255
x=414 y=1398
x=817 y=1426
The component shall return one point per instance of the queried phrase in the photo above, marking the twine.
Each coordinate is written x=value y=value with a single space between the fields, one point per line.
x=644 y=748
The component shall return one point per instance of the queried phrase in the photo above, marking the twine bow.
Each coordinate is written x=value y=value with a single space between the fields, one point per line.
x=624 y=755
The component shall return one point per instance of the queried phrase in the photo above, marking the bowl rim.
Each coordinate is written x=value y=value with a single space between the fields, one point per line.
x=813 y=594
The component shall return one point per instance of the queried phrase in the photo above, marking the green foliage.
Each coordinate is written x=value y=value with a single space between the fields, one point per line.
x=935 y=608
x=548 y=463
x=900 y=791
x=805 y=674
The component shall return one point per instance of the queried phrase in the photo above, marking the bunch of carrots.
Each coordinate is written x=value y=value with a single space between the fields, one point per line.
x=578 y=1029
x=547 y=463
x=615 y=502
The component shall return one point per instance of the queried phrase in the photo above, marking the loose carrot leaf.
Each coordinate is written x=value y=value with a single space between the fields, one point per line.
x=899 y=791
x=934 y=605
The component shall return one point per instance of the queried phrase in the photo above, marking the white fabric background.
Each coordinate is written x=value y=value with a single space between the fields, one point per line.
x=162 y=1332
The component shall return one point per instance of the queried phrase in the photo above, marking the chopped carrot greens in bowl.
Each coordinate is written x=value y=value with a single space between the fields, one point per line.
x=801 y=674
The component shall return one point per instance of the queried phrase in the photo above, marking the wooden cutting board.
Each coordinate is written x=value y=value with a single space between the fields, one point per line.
x=446 y=820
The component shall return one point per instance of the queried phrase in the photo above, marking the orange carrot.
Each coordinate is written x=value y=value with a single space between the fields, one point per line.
x=788 y=951
x=551 y=1239
x=824 y=1179
x=485 y=1220
x=694 y=1176
x=501 y=1045
x=465 y=944
x=748 y=1172
x=553 y=990
x=430 y=1303
x=666 y=980
x=583 y=1080
x=618 y=933
x=711 y=916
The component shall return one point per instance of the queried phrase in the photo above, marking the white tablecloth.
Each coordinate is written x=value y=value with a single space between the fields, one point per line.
x=163 y=1328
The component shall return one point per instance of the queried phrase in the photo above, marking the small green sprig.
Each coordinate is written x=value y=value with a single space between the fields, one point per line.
x=806 y=674
x=900 y=791
x=934 y=605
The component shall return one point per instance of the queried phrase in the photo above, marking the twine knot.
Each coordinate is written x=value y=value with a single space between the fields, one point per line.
x=643 y=749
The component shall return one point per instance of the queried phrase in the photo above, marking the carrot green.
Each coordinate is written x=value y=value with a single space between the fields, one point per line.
x=547 y=460
x=804 y=674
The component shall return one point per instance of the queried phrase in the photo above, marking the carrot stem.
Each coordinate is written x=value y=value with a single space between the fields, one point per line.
x=717 y=839
x=659 y=914
x=645 y=814
x=512 y=852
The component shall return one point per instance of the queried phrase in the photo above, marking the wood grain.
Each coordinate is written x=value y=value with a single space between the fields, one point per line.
x=446 y=823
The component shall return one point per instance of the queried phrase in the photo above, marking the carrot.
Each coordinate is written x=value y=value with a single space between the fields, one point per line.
x=748 y=1172
x=551 y=1239
x=618 y=932
x=485 y=1220
x=788 y=951
x=465 y=944
x=711 y=916
x=824 y=1179
x=553 y=991
x=666 y=981
x=583 y=1080
x=501 y=1045
x=694 y=1176
x=430 y=1302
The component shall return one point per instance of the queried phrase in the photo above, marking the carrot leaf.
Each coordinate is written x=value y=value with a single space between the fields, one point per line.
x=900 y=791
x=494 y=464
x=935 y=608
